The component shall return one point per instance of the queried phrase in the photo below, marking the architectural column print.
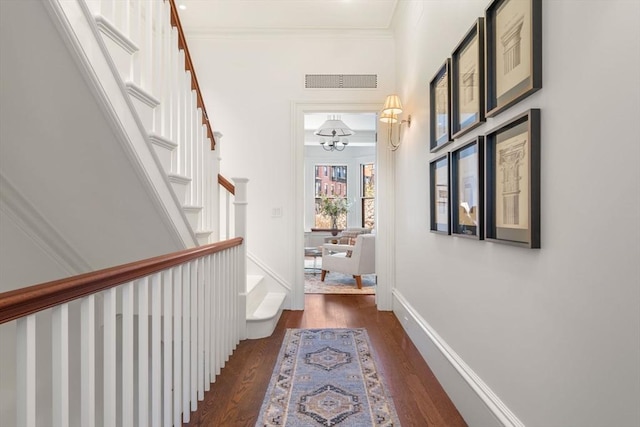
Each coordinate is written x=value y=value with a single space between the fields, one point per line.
x=511 y=41
x=509 y=163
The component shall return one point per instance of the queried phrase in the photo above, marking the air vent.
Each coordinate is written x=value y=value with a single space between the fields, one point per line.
x=341 y=81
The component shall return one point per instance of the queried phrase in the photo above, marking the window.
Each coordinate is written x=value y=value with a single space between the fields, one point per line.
x=368 y=172
x=331 y=181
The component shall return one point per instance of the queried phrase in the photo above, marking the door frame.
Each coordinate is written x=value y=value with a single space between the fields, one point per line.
x=385 y=230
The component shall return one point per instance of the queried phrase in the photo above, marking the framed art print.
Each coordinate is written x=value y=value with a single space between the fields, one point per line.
x=467 y=81
x=439 y=194
x=467 y=189
x=514 y=52
x=440 y=112
x=512 y=162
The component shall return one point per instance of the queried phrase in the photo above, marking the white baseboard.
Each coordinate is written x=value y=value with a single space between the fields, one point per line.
x=476 y=402
x=275 y=282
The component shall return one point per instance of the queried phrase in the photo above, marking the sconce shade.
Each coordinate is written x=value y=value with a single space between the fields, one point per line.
x=388 y=118
x=334 y=127
x=392 y=105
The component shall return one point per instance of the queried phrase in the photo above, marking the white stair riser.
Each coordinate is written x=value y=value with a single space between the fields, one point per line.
x=180 y=186
x=121 y=58
x=145 y=112
x=164 y=155
x=193 y=216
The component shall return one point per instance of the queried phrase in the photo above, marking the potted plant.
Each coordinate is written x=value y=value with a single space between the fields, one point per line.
x=333 y=208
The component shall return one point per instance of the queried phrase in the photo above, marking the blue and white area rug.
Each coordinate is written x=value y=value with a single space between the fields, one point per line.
x=327 y=377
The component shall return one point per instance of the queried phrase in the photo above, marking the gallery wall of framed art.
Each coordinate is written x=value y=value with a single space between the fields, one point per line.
x=493 y=179
x=467 y=81
x=467 y=189
x=440 y=96
x=514 y=52
x=439 y=195
x=512 y=160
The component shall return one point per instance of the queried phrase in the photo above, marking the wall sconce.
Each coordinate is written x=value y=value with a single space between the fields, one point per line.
x=393 y=107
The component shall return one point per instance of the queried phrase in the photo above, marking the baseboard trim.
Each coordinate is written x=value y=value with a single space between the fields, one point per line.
x=275 y=276
x=45 y=236
x=477 y=403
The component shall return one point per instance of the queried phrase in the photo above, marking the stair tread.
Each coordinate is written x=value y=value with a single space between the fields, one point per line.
x=268 y=307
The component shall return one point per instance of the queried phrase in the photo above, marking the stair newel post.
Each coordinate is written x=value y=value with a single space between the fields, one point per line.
x=214 y=202
x=240 y=216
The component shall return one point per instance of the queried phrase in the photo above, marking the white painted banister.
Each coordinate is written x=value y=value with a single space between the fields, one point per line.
x=152 y=333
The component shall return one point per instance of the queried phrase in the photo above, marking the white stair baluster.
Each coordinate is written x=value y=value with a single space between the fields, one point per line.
x=88 y=362
x=188 y=131
x=193 y=350
x=127 y=355
x=147 y=46
x=156 y=354
x=177 y=348
x=167 y=318
x=143 y=352
x=26 y=370
x=109 y=355
x=174 y=114
x=215 y=323
x=207 y=323
x=201 y=347
x=135 y=34
x=186 y=316
x=227 y=306
x=60 y=365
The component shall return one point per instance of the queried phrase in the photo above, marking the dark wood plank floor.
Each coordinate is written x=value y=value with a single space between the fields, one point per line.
x=236 y=396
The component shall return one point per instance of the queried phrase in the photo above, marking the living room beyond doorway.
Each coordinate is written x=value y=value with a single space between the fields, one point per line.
x=339 y=202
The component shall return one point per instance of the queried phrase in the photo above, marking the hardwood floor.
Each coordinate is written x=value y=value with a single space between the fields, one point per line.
x=236 y=396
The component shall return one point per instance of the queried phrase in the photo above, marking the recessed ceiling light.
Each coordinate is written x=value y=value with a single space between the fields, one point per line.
x=182 y=6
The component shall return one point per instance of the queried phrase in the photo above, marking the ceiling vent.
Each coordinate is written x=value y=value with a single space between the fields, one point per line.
x=341 y=81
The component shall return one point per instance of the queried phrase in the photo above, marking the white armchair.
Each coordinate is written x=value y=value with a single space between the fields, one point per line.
x=356 y=260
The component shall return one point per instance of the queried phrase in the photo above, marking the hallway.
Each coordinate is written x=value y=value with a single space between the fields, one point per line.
x=236 y=396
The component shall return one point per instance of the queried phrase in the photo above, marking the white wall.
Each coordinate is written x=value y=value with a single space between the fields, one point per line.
x=554 y=332
x=250 y=83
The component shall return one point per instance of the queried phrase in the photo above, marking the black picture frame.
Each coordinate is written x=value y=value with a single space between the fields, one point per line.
x=512 y=177
x=440 y=110
x=513 y=52
x=467 y=189
x=439 y=195
x=467 y=81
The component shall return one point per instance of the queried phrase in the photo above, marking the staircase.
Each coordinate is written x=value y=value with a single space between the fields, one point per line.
x=107 y=158
x=264 y=307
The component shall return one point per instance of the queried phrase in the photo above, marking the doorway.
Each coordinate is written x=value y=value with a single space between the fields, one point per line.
x=339 y=177
x=384 y=191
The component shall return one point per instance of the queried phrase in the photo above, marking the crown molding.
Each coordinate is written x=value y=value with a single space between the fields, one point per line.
x=287 y=33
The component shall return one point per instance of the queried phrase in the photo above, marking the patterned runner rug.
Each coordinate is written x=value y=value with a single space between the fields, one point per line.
x=327 y=377
x=338 y=283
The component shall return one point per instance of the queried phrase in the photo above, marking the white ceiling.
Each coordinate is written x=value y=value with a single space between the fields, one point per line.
x=217 y=15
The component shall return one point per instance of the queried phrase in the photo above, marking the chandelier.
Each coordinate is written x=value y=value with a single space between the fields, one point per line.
x=334 y=134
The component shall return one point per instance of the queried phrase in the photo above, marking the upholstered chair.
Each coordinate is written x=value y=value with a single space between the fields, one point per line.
x=355 y=260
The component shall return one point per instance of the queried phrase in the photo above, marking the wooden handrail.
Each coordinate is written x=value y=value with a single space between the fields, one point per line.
x=182 y=44
x=22 y=302
x=227 y=184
